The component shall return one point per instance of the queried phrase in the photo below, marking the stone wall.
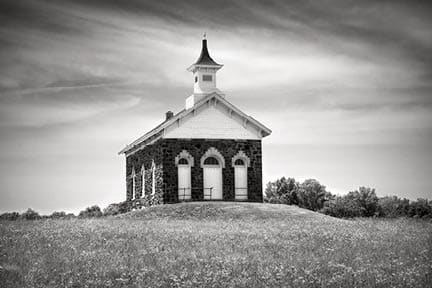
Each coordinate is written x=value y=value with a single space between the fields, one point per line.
x=147 y=156
x=163 y=153
x=197 y=148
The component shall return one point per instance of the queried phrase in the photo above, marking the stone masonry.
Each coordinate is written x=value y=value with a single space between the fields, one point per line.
x=163 y=153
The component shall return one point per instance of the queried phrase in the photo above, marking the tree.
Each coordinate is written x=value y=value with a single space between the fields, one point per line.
x=90 y=212
x=30 y=215
x=58 y=215
x=365 y=200
x=282 y=191
x=11 y=216
x=393 y=206
x=112 y=209
x=359 y=203
x=70 y=216
x=339 y=206
x=420 y=208
x=312 y=195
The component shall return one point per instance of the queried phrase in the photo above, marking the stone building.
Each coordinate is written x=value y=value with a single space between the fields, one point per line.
x=210 y=150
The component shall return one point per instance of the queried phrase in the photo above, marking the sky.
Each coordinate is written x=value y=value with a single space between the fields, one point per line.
x=345 y=86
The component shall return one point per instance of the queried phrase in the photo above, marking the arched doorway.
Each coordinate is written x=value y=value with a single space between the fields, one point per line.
x=240 y=162
x=212 y=163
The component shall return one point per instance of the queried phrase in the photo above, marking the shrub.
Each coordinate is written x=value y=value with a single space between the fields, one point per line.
x=420 y=209
x=312 y=195
x=125 y=207
x=10 y=216
x=365 y=200
x=361 y=203
x=30 y=215
x=393 y=206
x=282 y=191
x=341 y=207
x=90 y=212
x=58 y=215
x=145 y=201
x=112 y=209
x=70 y=216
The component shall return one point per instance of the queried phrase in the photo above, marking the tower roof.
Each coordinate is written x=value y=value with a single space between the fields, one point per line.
x=204 y=58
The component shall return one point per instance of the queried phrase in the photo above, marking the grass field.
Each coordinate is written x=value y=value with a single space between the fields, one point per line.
x=217 y=245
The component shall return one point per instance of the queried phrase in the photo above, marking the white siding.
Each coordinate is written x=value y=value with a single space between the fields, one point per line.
x=211 y=122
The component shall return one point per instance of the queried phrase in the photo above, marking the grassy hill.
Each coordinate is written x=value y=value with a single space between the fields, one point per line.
x=222 y=211
x=216 y=244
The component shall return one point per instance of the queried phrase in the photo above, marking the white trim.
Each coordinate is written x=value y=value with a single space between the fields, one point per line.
x=143 y=181
x=184 y=154
x=141 y=142
x=153 y=169
x=241 y=155
x=213 y=152
x=133 y=183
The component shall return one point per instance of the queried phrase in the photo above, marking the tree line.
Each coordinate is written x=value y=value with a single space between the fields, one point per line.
x=309 y=194
x=363 y=202
x=90 y=212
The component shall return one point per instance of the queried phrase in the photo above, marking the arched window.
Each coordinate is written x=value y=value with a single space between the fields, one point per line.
x=133 y=183
x=211 y=161
x=153 y=178
x=240 y=159
x=184 y=158
x=212 y=157
x=142 y=181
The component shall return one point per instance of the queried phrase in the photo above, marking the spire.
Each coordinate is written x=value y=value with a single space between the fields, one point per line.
x=204 y=58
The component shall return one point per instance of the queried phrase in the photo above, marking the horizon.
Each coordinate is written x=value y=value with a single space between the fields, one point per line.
x=344 y=86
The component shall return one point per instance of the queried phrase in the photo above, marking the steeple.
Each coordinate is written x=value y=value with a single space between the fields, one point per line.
x=204 y=58
x=204 y=75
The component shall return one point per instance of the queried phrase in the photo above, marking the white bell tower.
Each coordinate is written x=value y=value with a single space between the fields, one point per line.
x=204 y=75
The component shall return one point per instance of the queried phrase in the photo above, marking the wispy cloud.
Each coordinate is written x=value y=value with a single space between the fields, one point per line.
x=341 y=75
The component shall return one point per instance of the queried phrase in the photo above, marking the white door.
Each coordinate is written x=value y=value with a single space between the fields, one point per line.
x=240 y=182
x=184 y=182
x=212 y=183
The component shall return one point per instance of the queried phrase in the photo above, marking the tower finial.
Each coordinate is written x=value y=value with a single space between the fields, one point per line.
x=205 y=35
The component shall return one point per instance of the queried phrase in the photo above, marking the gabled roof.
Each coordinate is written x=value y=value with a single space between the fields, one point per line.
x=204 y=58
x=158 y=131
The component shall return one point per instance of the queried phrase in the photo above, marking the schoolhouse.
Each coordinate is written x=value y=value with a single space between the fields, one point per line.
x=211 y=150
